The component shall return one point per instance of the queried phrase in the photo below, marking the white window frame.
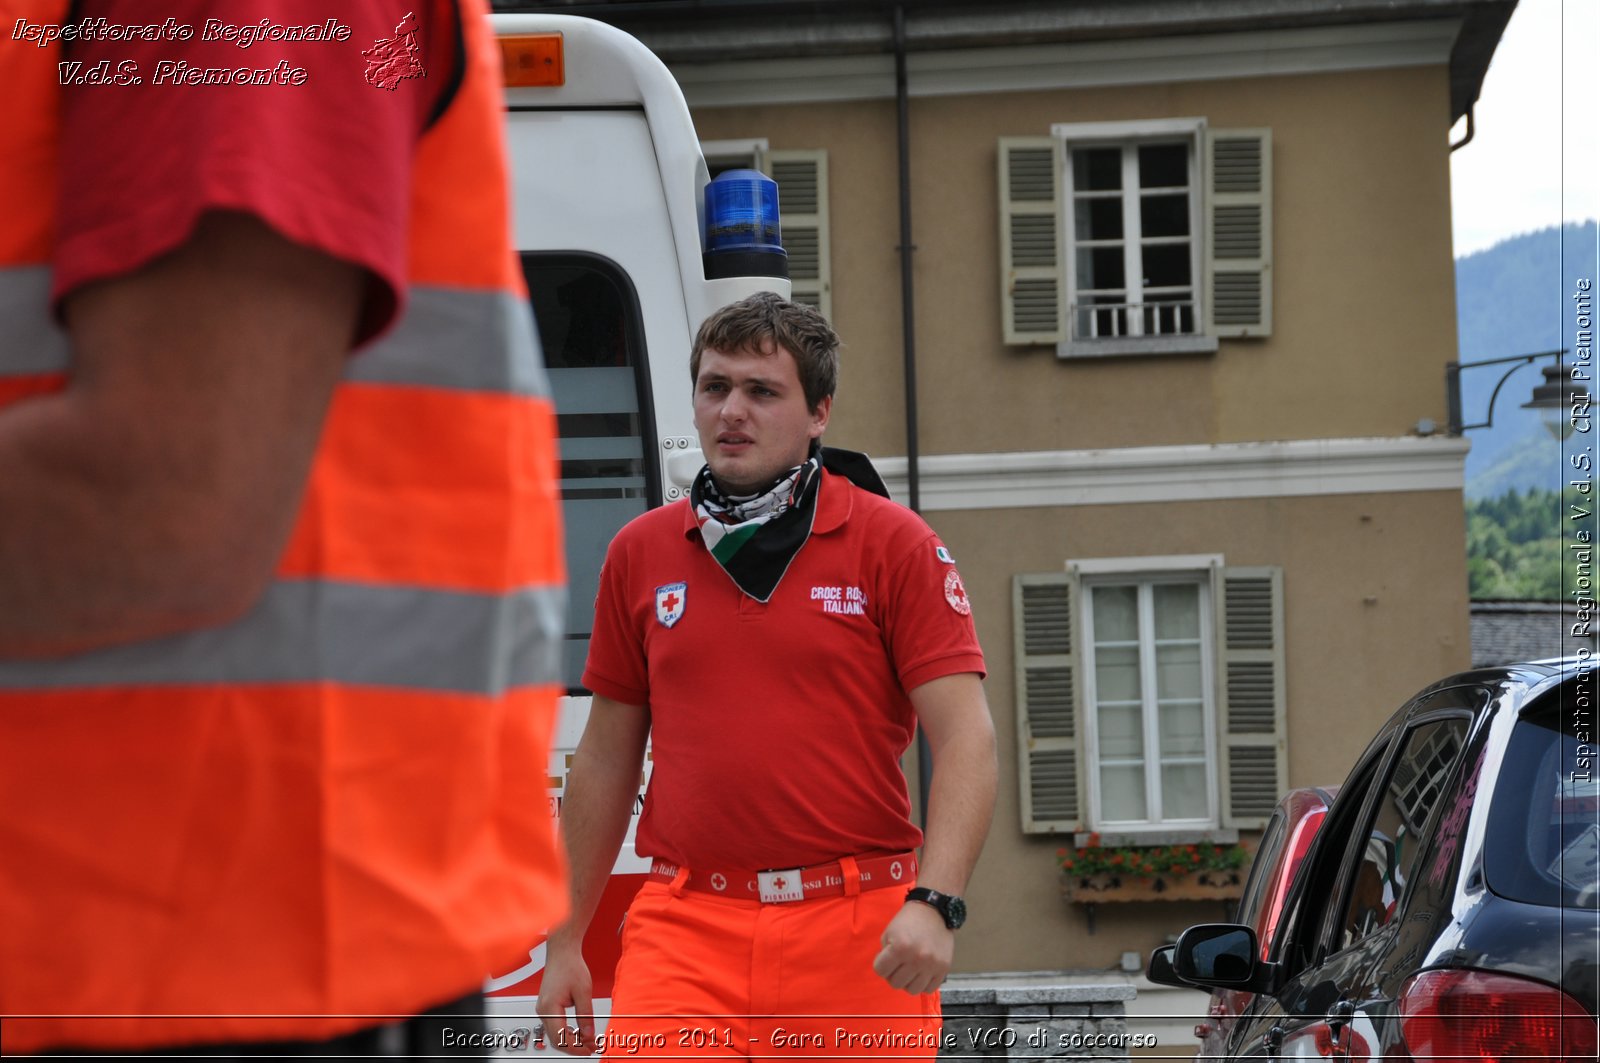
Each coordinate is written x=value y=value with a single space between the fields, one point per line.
x=1145 y=572
x=747 y=153
x=1070 y=136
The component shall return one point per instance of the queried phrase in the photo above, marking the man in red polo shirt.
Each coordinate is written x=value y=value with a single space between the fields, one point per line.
x=778 y=636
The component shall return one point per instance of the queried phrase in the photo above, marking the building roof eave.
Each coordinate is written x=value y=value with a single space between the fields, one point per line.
x=707 y=31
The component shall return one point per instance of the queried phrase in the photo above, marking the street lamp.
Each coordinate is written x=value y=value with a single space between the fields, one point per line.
x=1561 y=393
x=1562 y=402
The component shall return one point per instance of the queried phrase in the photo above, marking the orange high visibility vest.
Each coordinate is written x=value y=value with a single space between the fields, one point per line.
x=333 y=810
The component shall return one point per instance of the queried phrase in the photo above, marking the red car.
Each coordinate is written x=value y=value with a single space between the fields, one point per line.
x=1283 y=846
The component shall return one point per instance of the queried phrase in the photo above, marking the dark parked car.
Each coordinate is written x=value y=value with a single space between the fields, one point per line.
x=1283 y=848
x=1449 y=907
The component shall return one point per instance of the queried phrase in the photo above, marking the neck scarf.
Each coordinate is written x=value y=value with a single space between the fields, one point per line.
x=755 y=537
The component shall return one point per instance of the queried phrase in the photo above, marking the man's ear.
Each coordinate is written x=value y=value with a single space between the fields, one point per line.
x=819 y=416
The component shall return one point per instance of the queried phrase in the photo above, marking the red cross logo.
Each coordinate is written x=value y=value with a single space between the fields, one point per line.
x=780 y=882
x=956 y=594
x=719 y=883
x=671 y=599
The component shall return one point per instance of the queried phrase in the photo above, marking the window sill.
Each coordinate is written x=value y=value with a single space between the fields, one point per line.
x=1121 y=839
x=1137 y=346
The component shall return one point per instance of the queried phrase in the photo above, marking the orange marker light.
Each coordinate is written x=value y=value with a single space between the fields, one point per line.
x=533 y=59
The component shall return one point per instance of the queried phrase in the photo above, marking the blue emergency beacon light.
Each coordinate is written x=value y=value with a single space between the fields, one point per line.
x=742 y=238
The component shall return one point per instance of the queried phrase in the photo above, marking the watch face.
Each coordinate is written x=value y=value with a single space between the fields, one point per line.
x=955 y=912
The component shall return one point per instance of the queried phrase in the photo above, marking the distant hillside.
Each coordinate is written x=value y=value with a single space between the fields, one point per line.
x=1516 y=298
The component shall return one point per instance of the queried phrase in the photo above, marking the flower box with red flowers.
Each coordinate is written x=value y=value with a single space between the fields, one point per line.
x=1200 y=872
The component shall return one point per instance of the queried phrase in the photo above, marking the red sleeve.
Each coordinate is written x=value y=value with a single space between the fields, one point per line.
x=317 y=152
x=930 y=628
x=616 y=667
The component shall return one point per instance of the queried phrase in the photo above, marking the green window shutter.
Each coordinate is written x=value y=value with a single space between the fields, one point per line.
x=802 y=178
x=1048 y=752
x=1032 y=264
x=1238 y=208
x=1250 y=692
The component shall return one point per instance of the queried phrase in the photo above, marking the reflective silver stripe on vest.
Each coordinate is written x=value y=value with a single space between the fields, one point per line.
x=31 y=343
x=452 y=338
x=307 y=631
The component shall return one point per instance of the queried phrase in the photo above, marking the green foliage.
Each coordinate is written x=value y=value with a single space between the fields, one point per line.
x=1514 y=542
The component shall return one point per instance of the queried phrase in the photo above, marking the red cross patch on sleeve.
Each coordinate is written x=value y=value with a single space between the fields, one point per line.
x=956 y=594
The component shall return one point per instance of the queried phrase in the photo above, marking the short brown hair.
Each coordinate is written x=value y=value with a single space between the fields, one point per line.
x=765 y=321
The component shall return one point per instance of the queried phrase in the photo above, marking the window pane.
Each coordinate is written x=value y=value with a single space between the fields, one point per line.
x=1183 y=731
x=1116 y=674
x=594 y=350
x=1116 y=614
x=1164 y=215
x=1121 y=732
x=1543 y=834
x=1098 y=218
x=1097 y=169
x=1100 y=267
x=1164 y=166
x=1183 y=792
x=1177 y=610
x=1178 y=672
x=1393 y=842
x=1122 y=793
x=1166 y=265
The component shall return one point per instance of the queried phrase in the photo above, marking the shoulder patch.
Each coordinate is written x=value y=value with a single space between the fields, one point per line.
x=956 y=594
x=944 y=555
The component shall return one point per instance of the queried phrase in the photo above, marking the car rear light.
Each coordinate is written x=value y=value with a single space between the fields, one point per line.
x=1475 y=1015
x=1299 y=845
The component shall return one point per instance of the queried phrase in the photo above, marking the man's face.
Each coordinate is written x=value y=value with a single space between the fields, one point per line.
x=751 y=413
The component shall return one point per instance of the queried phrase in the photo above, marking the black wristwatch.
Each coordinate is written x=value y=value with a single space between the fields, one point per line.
x=952 y=909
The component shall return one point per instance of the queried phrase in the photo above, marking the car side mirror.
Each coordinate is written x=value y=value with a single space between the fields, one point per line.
x=1160 y=971
x=1219 y=955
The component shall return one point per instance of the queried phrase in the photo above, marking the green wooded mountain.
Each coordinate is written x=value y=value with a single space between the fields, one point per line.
x=1516 y=298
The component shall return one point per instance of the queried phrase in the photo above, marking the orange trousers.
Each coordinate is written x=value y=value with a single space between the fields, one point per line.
x=710 y=977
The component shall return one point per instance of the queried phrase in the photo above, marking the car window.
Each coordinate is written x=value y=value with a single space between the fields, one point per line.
x=593 y=339
x=1300 y=937
x=1543 y=843
x=1263 y=870
x=1390 y=846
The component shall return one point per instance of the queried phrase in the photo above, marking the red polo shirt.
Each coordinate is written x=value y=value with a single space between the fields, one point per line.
x=777 y=728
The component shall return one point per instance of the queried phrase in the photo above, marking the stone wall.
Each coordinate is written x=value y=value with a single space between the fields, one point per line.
x=1011 y=1018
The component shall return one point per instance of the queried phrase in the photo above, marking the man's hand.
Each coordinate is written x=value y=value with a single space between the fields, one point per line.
x=917 y=949
x=566 y=984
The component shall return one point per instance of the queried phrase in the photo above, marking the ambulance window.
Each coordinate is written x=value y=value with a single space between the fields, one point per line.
x=593 y=340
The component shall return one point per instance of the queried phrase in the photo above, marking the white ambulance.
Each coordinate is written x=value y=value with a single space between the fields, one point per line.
x=624 y=259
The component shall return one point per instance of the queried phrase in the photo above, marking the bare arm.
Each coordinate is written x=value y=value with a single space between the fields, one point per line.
x=601 y=787
x=917 y=947
x=155 y=494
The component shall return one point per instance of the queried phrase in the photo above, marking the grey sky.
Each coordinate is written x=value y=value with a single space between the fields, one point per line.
x=1535 y=158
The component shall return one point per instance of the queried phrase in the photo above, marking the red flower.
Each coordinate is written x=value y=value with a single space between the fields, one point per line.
x=1116 y=858
x=1094 y=839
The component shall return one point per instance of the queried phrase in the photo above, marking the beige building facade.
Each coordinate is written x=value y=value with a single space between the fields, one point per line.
x=1182 y=292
